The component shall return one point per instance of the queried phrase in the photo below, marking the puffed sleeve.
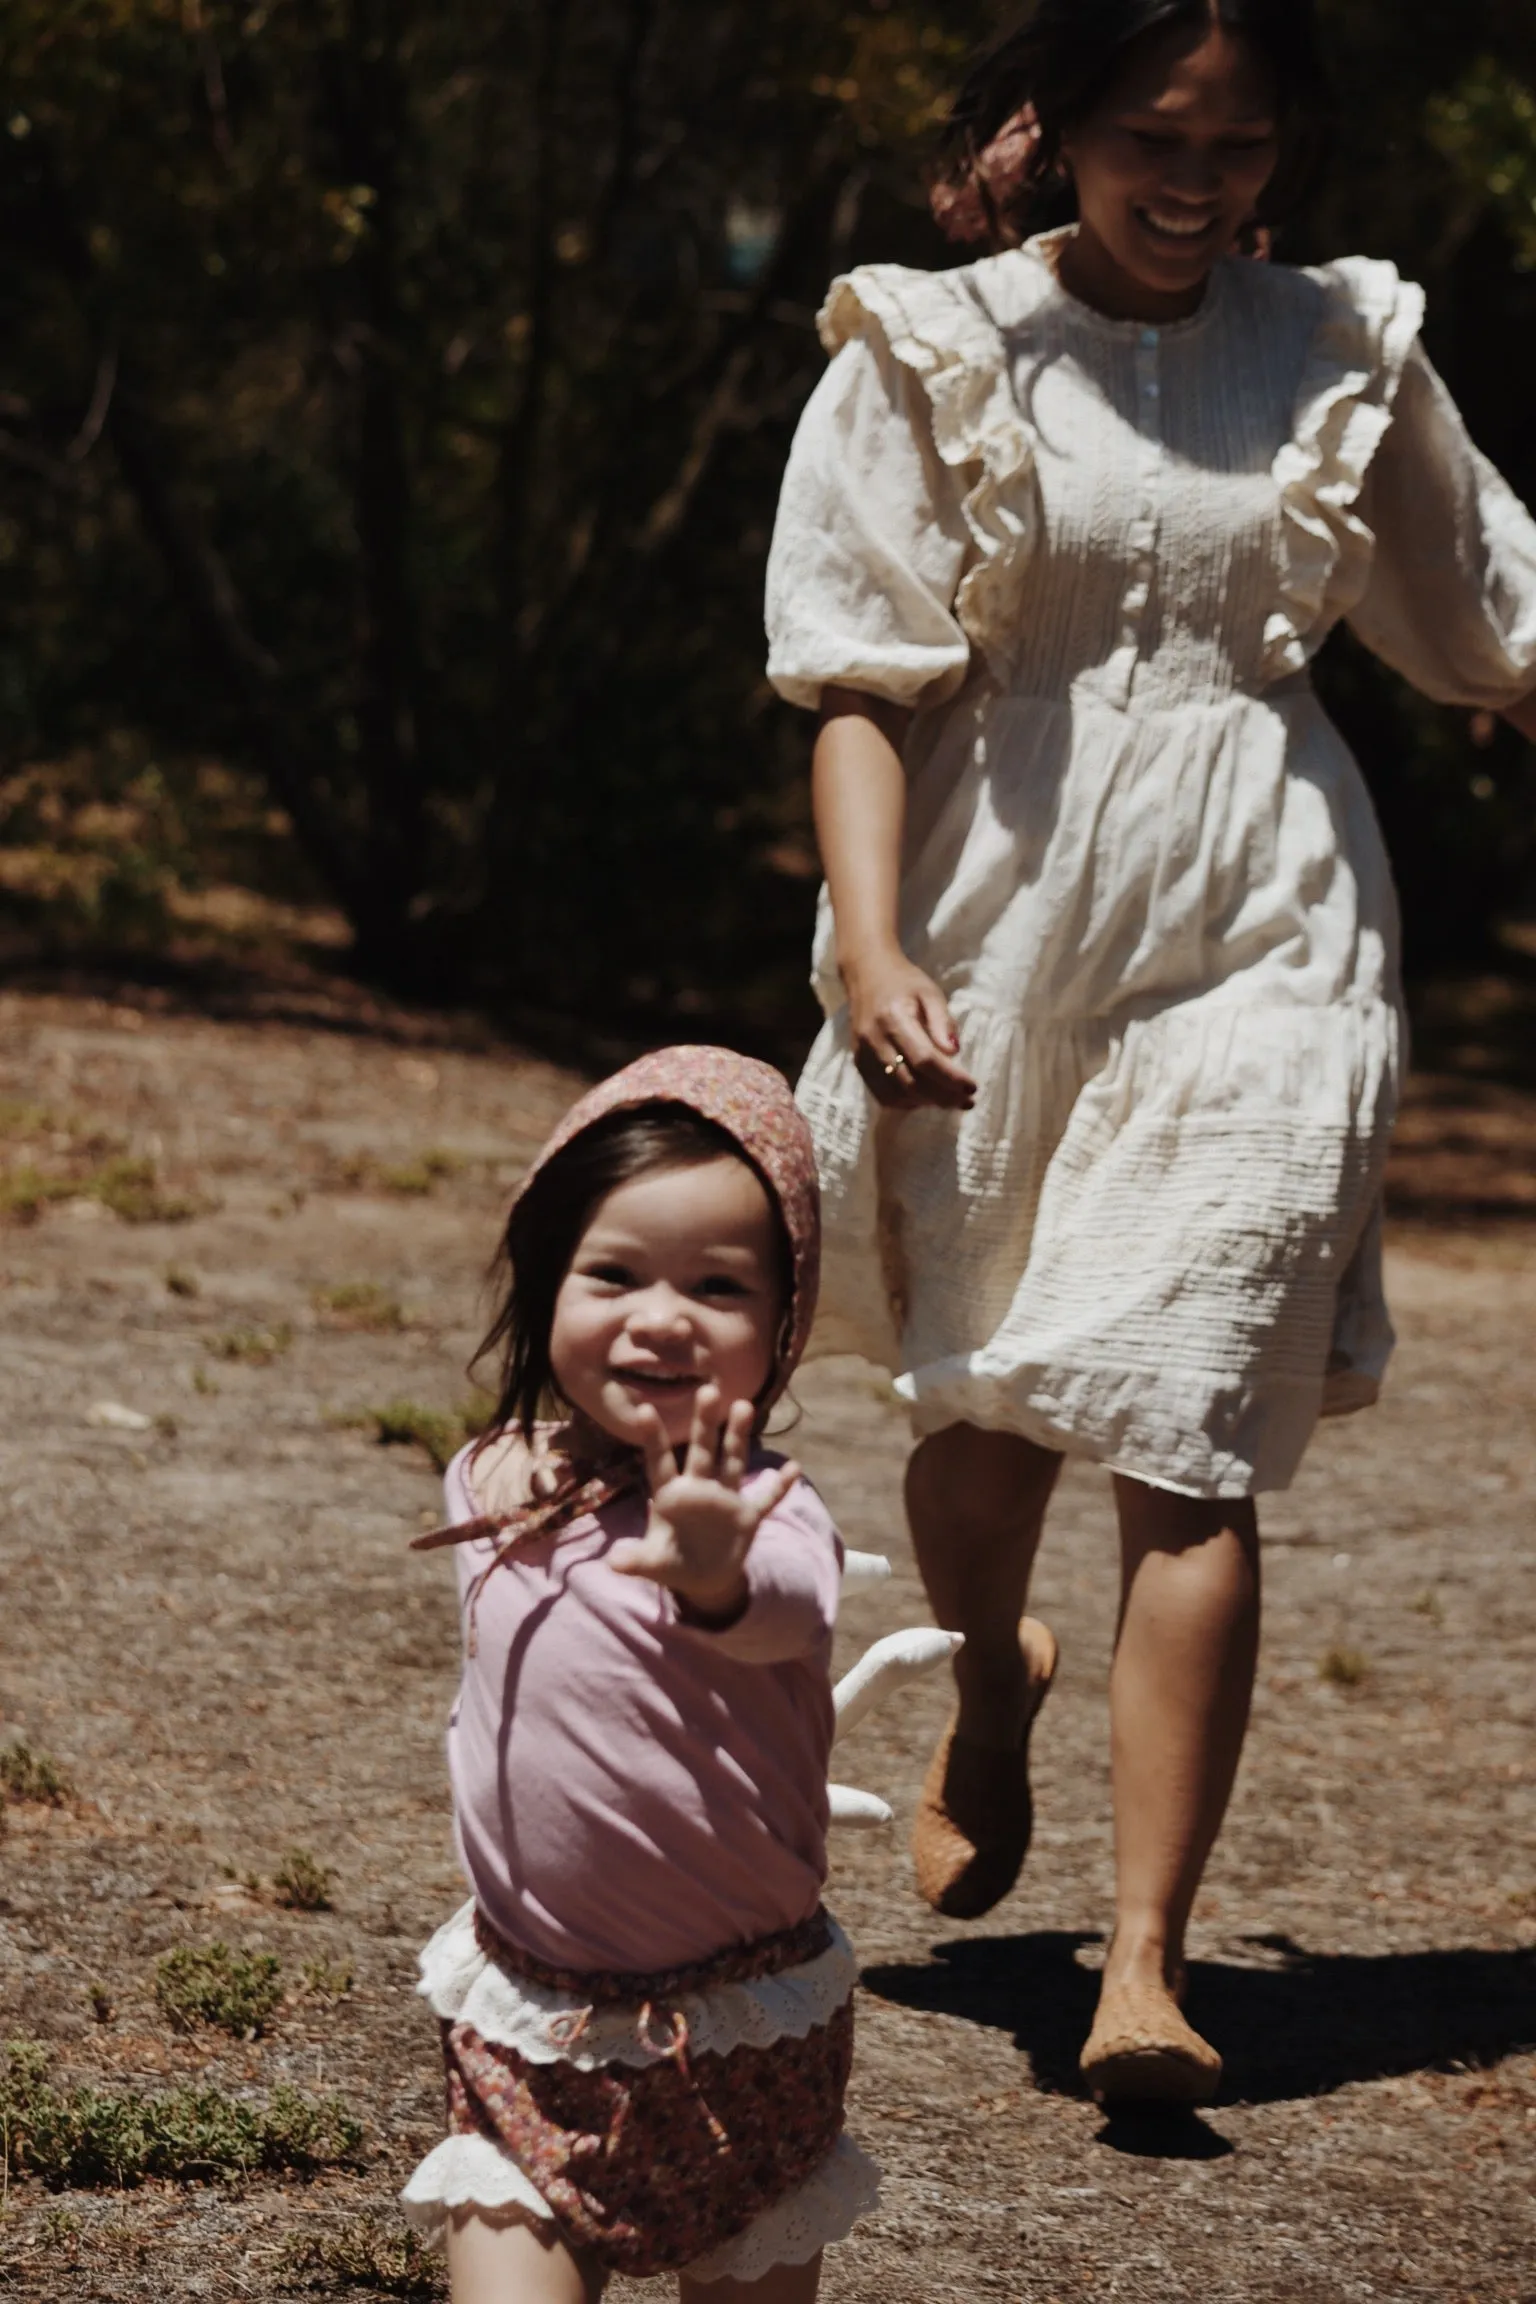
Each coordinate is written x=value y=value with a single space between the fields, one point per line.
x=1451 y=602
x=869 y=543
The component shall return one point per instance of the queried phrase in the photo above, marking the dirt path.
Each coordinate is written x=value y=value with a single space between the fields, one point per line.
x=214 y=1625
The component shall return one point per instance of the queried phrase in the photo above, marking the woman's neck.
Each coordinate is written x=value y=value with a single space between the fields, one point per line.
x=1087 y=271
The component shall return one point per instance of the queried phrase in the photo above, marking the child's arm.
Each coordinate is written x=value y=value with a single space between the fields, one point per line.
x=756 y=1577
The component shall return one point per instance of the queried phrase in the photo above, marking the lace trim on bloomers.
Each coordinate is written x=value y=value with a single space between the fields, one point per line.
x=1343 y=408
x=472 y=2172
x=462 y=1985
x=938 y=326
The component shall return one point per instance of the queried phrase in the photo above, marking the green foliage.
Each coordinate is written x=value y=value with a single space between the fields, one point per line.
x=1343 y=1667
x=359 y=1304
x=32 y=1776
x=395 y=407
x=302 y=1883
x=77 y=2137
x=131 y=1189
x=324 y=1979
x=210 y=1984
x=257 y=1347
x=439 y=1432
x=1486 y=128
x=25 y=1192
x=417 y=1177
x=365 y=2253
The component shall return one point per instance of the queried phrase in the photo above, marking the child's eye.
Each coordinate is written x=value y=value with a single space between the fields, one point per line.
x=611 y=1275
x=720 y=1285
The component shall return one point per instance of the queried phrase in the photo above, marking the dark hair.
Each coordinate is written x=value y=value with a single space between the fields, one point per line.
x=552 y=1212
x=1066 y=54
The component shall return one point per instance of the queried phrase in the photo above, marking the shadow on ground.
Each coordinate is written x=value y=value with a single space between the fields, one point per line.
x=1294 y=2023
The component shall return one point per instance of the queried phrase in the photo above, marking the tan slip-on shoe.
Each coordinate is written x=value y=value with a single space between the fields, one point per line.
x=974 y=1814
x=1142 y=2050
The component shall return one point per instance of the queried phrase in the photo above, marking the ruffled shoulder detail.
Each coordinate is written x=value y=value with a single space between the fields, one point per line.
x=1365 y=330
x=942 y=328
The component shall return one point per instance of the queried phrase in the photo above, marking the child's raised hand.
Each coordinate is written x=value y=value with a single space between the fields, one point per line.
x=701 y=1526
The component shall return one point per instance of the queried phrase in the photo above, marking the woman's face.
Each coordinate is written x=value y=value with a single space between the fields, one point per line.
x=1172 y=162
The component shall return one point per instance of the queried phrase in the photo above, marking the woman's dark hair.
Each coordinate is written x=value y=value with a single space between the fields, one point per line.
x=552 y=1212
x=1063 y=58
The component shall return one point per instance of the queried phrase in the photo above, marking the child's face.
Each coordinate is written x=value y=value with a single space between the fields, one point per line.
x=674 y=1284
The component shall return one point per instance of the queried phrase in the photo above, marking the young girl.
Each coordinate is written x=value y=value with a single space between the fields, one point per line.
x=646 y=2012
x=1110 y=955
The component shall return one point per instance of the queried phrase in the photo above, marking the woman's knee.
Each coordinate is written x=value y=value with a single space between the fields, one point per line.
x=988 y=1479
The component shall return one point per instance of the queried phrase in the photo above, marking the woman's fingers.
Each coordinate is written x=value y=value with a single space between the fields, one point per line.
x=911 y=1057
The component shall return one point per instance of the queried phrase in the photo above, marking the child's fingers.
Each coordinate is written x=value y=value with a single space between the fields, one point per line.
x=774 y=1495
x=736 y=1443
x=656 y=1448
x=640 y=1556
x=704 y=1433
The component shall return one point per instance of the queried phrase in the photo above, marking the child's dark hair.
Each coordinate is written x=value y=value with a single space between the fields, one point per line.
x=552 y=1212
x=1063 y=58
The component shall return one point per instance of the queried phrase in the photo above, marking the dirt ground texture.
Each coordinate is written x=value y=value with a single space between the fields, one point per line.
x=214 y=1624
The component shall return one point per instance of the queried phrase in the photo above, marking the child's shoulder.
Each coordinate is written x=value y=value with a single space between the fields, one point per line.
x=489 y=1476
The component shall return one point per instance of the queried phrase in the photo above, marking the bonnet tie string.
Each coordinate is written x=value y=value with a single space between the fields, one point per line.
x=571 y=1499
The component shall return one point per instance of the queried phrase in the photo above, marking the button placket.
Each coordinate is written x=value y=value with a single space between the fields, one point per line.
x=1143 y=531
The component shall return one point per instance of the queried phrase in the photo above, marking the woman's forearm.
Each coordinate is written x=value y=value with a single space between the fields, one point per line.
x=859 y=797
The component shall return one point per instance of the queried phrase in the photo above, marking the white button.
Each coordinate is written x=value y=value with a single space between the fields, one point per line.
x=1150 y=389
x=1149 y=338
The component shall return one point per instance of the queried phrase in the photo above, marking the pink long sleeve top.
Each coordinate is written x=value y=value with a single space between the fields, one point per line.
x=631 y=1791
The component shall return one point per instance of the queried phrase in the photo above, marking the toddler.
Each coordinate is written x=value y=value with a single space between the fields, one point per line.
x=646 y=2012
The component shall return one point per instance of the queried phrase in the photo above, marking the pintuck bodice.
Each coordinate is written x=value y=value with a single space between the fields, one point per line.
x=1151 y=578
x=1096 y=559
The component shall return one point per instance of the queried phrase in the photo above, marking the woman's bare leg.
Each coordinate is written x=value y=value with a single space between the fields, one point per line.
x=1179 y=1695
x=496 y=2260
x=976 y=1503
x=785 y=2284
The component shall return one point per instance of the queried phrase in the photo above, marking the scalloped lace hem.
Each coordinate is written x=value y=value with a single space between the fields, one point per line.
x=472 y=2172
x=461 y=1985
x=938 y=327
x=1343 y=408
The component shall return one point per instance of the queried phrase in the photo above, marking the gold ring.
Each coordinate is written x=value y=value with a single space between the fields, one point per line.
x=890 y=1070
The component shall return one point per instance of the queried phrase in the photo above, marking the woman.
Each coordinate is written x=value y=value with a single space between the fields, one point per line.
x=1108 y=951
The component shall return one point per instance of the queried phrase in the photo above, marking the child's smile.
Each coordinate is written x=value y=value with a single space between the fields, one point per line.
x=674 y=1285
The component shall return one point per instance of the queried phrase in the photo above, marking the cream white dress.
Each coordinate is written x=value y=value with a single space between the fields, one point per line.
x=1140 y=860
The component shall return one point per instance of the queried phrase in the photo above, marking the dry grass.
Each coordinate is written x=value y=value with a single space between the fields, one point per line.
x=384 y=2258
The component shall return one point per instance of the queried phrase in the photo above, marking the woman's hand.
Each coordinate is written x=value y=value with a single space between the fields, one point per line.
x=701 y=1526
x=904 y=1039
